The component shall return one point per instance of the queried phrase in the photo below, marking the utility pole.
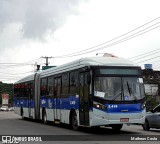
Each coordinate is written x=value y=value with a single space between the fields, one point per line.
x=46 y=59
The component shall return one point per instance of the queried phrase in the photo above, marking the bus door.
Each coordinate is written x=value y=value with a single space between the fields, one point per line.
x=57 y=101
x=84 y=99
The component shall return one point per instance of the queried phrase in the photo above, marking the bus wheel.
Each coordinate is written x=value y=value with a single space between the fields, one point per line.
x=44 y=117
x=117 y=127
x=74 y=121
x=146 y=125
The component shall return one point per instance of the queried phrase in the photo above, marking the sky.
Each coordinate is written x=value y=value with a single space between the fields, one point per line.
x=67 y=30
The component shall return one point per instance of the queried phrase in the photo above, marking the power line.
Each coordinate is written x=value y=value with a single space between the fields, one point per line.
x=32 y=61
x=149 y=59
x=14 y=66
x=152 y=62
x=92 y=49
x=145 y=53
x=16 y=73
x=155 y=61
x=17 y=64
x=112 y=44
x=76 y=53
x=13 y=76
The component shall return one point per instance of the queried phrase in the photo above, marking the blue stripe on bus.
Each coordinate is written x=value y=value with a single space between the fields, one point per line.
x=51 y=103
x=60 y=103
x=24 y=103
x=127 y=108
x=73 y=102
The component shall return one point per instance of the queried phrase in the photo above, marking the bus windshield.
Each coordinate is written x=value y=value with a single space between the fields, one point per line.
x=119 y=88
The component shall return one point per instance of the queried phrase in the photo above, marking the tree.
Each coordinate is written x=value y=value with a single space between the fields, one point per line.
x=150 y=102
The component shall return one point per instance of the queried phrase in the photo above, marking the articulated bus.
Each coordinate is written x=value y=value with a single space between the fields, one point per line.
x=89 y=92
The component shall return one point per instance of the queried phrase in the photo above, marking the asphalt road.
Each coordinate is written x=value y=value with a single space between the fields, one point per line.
x=12 y=125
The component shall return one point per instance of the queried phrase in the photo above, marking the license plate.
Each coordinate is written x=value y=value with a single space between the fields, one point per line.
x=124 y=119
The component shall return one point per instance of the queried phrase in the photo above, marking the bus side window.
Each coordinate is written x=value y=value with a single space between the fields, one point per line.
x=65 y=84
x=50 y=86
x=73 y=84
x=26 y=89
x=30 y=90
x=57 y=87
x=16 y=91
x=44 y=87
x=22 y=90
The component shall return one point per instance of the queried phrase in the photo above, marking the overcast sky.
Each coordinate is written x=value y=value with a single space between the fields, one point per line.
x=30 y=29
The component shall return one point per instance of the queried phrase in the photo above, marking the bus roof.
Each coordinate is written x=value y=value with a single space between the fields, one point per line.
x=92 y=61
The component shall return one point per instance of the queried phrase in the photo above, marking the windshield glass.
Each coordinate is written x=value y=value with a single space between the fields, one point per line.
x=119 y=88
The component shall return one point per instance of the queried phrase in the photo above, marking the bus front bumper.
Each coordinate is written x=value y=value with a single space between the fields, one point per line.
x=100 y=118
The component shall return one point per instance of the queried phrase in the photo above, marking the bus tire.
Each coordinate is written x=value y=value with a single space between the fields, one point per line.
x=117 y=127
x=74 y=121
x=146 y=126
x=44 y=117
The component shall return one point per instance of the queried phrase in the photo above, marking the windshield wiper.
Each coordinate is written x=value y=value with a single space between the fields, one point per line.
x=130 y=91
x=119 y=94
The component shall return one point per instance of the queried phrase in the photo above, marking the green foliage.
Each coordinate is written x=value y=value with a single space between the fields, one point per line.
x=8 y=89
x=150 y=102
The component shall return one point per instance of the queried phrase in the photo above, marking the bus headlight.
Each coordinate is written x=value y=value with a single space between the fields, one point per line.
x=99 y=106
x=143 y=105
